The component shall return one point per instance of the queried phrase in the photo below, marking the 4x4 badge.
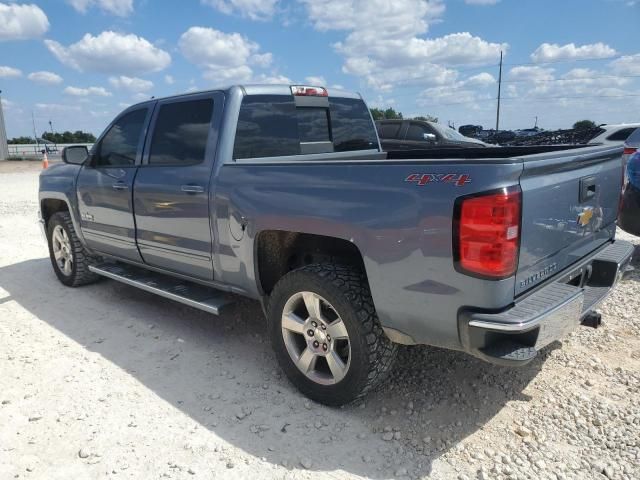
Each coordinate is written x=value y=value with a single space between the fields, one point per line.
x=422 y=179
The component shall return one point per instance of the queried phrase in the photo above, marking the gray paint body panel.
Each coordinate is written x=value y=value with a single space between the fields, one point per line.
x=403 y=230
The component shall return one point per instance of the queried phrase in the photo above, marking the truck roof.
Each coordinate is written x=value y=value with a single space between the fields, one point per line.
x=257 y=89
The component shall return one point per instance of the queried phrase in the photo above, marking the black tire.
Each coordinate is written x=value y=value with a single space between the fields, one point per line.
x=372 y=353
x=81 y=259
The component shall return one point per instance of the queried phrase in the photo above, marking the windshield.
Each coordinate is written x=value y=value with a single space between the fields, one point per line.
x=634 y=138
x=450 y=133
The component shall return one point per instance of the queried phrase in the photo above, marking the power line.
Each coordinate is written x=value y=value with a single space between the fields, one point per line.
x=577 y=97
x=487 y=100
x=567 y=60
x=546 y=80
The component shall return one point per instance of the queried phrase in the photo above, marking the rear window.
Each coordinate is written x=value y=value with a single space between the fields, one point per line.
x=389 y=130
x=267 y=127
x=634 y=138
x=272 y=126
x=351 y=125
x=313 y=124
x=621 y=135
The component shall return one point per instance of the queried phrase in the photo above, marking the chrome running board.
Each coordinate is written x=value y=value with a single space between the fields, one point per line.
x=188 y=293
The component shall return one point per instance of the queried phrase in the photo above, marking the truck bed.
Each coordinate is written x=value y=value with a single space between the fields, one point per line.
x=487 y=153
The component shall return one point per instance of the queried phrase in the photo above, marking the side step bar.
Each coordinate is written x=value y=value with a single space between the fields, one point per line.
x=188 y=293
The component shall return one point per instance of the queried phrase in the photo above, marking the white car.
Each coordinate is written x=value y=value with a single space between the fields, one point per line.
x=614 y=134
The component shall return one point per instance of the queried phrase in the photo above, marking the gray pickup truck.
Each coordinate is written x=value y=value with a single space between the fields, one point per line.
x=282 y=194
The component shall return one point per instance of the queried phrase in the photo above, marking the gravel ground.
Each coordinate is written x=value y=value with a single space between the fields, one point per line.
x=108 y=381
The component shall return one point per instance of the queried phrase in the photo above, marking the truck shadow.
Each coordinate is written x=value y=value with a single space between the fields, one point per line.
x=221 y=372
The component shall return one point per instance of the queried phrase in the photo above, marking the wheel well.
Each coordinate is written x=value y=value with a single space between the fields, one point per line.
x=50 y=206
x=279 y=252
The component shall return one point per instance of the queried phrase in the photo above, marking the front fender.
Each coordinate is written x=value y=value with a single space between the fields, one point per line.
x=58 y=182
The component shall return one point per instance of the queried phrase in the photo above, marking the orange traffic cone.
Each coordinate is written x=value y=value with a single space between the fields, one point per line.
x=45 y=160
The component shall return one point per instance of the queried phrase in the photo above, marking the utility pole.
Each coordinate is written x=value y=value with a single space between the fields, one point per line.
x=499 y=92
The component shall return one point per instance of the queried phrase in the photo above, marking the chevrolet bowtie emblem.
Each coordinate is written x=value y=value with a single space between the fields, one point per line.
x=585 y=217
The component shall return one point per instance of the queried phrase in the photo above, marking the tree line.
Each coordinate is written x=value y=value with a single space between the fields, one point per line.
x=391 y=114
x=65 y=137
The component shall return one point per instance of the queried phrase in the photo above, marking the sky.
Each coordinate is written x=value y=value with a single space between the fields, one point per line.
x=78 y=63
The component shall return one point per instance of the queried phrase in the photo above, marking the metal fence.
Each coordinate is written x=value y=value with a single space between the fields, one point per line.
x=35 y=150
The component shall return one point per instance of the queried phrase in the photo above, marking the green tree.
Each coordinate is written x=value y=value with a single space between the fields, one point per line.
x=388 y=114
x=69 y=137
x=377 y=114
x=21 y=141
x=391 y=114
x=426 y=118
x=583 y=125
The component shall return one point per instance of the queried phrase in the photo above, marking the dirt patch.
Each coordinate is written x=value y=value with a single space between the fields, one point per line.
x=108 y=381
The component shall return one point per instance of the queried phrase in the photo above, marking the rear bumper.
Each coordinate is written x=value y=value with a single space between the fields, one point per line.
x=514 y=336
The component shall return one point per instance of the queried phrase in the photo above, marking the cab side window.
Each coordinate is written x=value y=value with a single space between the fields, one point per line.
x=181 y=133
x=389 y=130
x=416 y=132
x=119 y=146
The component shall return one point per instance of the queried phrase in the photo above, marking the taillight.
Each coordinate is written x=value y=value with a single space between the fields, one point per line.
x=304 y=91
x=487 y=233
x=629 y=151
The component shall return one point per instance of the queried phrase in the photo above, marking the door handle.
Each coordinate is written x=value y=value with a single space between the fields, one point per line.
x=192 y=189
x=120 y=186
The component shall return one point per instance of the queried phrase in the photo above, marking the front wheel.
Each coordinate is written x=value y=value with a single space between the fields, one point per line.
x=69 y=258
x=326 y=334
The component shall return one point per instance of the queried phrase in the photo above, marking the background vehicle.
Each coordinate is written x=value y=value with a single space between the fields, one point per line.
x=282 y=194
x=631 y=145
x=629 y=217
x=419 y=134
x=613 y=134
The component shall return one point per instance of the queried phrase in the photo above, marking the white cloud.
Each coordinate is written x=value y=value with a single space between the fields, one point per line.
x=56 y=107
x=20 y=22
x=85 y=92
x=627 y=65
x=141 y=97
x=121 y=8
x=481 y=80
x=317 y=81
x=261 y=59
x=531 y=74
x=407 y=16
x=224 y=76
x=385 y=44
x=253 y=9
x=224 y=57
x=111 y=52
x=45 y=78
x=481 y=2
x=168 y=79
x=275 y=79
x=7 y=104
x=131 y=84
x=552 y=52
x=9 y=72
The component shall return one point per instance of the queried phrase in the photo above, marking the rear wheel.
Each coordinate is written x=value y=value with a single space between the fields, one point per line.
x=69 y=258
x=326 y=334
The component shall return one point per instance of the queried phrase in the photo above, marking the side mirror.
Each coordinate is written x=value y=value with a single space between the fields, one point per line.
x=429 y=137
x=75 y=155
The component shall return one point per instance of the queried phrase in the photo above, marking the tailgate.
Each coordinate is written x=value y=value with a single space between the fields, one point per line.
x=569 y=208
